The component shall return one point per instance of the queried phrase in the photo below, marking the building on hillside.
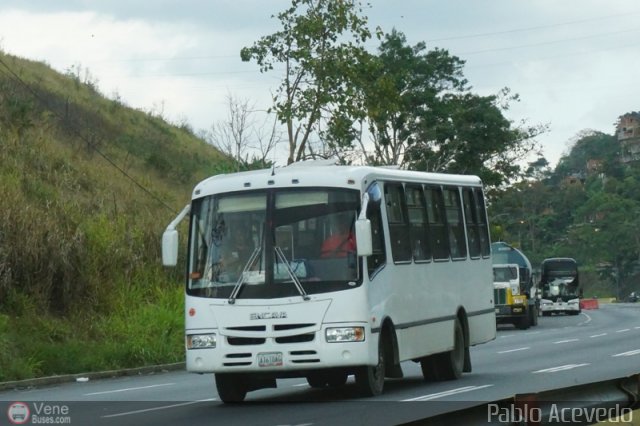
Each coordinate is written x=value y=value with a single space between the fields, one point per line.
x=594 y=166
x=573 y=180
x=628 y=132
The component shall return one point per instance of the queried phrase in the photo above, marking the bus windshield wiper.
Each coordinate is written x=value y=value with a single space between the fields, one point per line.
x=241 y=278
x=292 y=274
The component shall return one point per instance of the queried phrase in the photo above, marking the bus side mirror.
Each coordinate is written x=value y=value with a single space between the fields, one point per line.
x=364 y=242
x=170 y=247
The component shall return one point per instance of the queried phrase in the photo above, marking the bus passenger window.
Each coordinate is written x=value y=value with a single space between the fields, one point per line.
x=457 y=243
x=398 y=224
x=485 y=246
x=418 y=223
x=472 y=221
x=374 y=214
x=438 y=238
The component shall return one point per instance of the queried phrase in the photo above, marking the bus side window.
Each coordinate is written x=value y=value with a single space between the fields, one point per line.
x=418 y=222
x=398 y=223
x=483 y=229
x=379 y=257
x=437 y=226
x=472 y=221
x=457 y=243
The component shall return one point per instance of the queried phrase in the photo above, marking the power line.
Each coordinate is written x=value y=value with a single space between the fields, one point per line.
x=545 y=43
x=539 y=27
x=82 y=137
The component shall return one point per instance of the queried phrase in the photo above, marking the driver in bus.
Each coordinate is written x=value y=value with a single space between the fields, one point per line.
x=340 y=243
x=236 y=251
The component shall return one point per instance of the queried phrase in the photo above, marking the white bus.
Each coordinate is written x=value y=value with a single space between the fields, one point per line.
x=324 y=271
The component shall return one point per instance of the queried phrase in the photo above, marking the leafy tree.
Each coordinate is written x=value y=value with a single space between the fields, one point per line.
x=422 y=115
x=472 y=136
x=590 y=145
x=608 y=234
x=402 y=86
x=320 y=46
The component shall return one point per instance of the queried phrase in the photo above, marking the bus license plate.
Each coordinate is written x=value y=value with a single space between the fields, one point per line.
x=270 y=359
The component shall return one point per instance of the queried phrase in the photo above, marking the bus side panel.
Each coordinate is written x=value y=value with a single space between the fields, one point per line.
x=418 y=341
x=422 y=300
x=482 y=328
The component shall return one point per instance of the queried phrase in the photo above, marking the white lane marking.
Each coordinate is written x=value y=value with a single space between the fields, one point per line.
x=530 y=333
x=623 y=330
x=129 y=389
x=300 y=385
x=637 y=328
x=446 y=393
x=508 y=335
x=565 y=341
x=587 y=321
x=598 y=335
x=560 y=368
x=162 y=407
x=301 y=424
x=629 y=353
x=514 y=350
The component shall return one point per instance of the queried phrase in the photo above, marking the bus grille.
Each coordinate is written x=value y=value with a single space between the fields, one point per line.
x=500 y=296
x=260 y=334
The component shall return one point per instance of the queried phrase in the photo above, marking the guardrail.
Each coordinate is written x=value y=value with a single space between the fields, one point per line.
x=583 y=404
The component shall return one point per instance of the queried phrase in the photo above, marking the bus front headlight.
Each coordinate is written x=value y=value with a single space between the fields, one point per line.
x=345 y=334
x=201 y=341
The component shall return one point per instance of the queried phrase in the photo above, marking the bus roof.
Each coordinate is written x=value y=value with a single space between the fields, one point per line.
x=559 y=260
x=319 y=173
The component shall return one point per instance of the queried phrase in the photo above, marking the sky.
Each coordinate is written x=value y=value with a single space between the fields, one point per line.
x=573 y=63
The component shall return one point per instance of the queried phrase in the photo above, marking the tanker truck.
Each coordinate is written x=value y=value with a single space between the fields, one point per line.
x=515 y=294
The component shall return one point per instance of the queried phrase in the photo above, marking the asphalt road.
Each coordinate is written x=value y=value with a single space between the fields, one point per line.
x=561 y=351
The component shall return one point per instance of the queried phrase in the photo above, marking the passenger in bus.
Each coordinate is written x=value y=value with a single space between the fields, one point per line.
x=340 y=243
x=235 y=253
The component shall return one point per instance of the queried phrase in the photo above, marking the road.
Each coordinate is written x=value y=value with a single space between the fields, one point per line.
x=561 y=351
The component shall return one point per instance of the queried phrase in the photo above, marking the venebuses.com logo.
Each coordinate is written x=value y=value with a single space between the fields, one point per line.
x=18 y=413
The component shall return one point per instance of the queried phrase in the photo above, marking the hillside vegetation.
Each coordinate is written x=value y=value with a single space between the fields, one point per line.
x=87 y=186
x=587 y=207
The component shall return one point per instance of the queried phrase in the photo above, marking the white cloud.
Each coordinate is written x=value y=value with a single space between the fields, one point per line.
x=572 y=62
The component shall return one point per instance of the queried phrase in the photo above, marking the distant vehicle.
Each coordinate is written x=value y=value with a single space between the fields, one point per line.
x=560 y=286
x=633 y=297
x=514 y=291
x=415 y=286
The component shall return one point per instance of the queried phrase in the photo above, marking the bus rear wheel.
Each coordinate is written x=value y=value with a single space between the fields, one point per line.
x=231 y=388
x=447 y=365
x=370 y=379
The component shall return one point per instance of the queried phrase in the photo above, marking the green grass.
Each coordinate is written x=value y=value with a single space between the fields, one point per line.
x=144 y=327
x=81 y=286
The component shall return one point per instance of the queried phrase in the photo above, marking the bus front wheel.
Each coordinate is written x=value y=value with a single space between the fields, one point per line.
x=370 y=379
x=231 y=388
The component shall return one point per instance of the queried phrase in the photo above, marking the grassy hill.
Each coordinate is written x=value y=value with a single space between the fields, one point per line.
x=87 y=186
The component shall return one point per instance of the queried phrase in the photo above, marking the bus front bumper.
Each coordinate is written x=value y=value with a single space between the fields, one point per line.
x=281 y=358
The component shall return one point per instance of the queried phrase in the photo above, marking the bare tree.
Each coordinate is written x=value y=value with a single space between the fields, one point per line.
x=241 y=137
x=231 y=136
x=267 y=138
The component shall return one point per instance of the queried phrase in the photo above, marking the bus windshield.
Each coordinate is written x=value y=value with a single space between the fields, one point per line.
x=560 y=279
x=275 y=243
